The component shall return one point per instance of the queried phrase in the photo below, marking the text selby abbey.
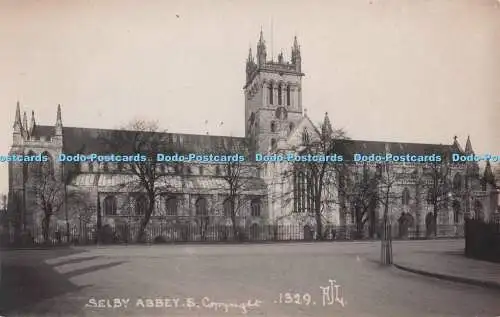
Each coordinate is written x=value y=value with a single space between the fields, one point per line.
x=275 y=122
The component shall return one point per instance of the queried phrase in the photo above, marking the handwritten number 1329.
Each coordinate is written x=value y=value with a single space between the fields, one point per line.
x=298 y=299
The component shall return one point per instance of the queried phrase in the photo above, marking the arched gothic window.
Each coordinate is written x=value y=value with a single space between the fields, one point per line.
x=110 y=205
x=305 y=137
x=32 y=168
x=141 y=205
x=201 y=207
x=271 y=94
x=255 y=206
x=457 y=182
x=290 y=127
x=303 y=192
x=171 y=206
x=281 y=113
x=273 y=126
x=273 y=144
x=456 y=211
x=47 y=167
x=288 y=95
x=226 y=208
x=280 y=94
x=430 y=197
x=406 y=197
x=478 y=210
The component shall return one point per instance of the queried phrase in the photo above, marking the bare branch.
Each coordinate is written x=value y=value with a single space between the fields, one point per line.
x=144 y=175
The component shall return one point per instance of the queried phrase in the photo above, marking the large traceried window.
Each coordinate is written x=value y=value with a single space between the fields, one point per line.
x=255 y=207
x=303 y=192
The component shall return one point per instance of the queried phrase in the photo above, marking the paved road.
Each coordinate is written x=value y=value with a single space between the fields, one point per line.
x=231 y=280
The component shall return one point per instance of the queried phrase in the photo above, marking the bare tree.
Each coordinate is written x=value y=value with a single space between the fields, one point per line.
x=143 y=176
x=314 y=181
x=435 y=182
x=388 y=176
x=238 y=179
x=362 y=195
x=49 y=194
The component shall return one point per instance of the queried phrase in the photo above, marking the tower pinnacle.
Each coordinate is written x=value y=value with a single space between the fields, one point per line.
x=17 y=119
x=33 y=123
x=25 y=122
x=296 y=59
x=261 y=50
x=468 y=146
x=326 y=128
x=58 y=121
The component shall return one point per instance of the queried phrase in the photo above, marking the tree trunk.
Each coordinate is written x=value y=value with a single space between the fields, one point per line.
x=386 y=250
x=46 y=228
x=360 y=226
x=144 y=222
x=319 y=225
x=417 y=209
x=99 y=221
x=142 y=229
x=372 y=222
x=434 y=220
x=233 y=220
x=66 y=212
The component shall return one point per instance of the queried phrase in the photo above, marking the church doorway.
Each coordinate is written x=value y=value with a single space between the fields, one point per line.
x=430 y=224
x=478 y=210
x=405 y=222
x=308 y=233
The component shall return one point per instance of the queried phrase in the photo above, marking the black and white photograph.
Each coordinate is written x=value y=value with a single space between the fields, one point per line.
x=250 y=158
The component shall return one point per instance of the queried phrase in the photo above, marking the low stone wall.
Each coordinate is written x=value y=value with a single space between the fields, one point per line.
x=482 y=240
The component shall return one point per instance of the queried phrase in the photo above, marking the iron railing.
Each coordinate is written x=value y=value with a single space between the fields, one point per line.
x=87 y=233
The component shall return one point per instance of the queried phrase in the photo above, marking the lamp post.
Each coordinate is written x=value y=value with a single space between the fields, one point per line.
x=98 y=210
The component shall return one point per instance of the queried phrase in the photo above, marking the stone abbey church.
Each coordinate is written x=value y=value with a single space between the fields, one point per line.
x=276 y=122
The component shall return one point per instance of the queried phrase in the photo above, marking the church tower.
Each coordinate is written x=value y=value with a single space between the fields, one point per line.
x=30 y=140
x=273 y=96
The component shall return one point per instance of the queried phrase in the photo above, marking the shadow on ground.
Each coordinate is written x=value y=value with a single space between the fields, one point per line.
x=27 y=279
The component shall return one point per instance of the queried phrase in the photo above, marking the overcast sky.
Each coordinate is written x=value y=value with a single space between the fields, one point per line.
x=401 y=70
